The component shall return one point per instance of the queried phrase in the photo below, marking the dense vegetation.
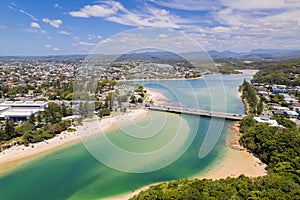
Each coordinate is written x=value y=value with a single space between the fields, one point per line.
x=250 y=96
x=268 y=187
x=38 y=128
x=279 y=148
x=141 y=93
x=228 y=70
x=282 y=73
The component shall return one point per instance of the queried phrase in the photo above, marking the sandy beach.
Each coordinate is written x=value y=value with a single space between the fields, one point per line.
x=20 y=154
x=157 y=98
x=236 y=160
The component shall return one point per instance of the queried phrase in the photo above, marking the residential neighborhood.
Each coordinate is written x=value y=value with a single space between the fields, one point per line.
x=280 y=100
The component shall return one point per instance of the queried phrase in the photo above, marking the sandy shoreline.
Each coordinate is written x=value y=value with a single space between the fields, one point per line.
x=236 y=160
x=157 y=98
x=19 y=154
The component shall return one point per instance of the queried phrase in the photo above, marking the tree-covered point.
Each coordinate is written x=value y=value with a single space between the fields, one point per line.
x=228 y=70
x=279 y=148
x=282 y=73
x=250 y=95
x=268 y=187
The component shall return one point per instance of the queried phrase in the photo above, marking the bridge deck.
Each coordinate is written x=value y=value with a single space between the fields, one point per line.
x=189 y=111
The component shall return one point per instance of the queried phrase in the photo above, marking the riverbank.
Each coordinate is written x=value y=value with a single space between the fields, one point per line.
x=18 y=155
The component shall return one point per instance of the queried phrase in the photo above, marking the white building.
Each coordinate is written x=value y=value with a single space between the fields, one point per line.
x=20 y=110
x=271 y=122
x=291 y=114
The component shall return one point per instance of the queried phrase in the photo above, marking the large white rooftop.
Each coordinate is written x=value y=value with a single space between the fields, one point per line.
x=271 y=122
x=23 y=104
x=13 y=112
x=20 y=109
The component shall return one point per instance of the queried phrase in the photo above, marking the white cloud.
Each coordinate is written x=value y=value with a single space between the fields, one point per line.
x=82 y=43
x=261 y=5
x=3 y=28
x=63 y=32
x=187 y=4
x=285 y=22
x=233 y=4
x=150 y=16
x=76 y=38
x=147 y=38
x=56 y=49
x=116 y=12
x=86 y=43
x=221 y=29
x=48 y=46
x=56 y=5
x=15 y=7
x=55 y=23
x=28 y=14
x=98 y=10
x=163 y=35
x=154 y=18
x=35 y=25
x=93 y=37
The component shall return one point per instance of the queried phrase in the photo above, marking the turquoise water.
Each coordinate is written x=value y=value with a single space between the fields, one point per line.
x=78 y=175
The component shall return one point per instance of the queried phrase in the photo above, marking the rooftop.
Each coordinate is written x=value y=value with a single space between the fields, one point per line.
x=23 y=103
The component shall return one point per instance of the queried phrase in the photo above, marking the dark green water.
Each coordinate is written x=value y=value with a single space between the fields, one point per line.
x=78 y=175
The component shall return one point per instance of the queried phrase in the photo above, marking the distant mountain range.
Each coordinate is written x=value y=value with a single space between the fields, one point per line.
x=266 y=54
x=151 y=56
x=259 y=54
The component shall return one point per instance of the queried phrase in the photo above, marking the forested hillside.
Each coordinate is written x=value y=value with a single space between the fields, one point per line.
x=282 y=73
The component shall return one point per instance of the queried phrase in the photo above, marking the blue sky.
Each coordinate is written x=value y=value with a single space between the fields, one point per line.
x=55 y=27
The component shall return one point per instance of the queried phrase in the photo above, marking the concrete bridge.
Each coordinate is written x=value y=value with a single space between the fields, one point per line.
x=196 y=112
